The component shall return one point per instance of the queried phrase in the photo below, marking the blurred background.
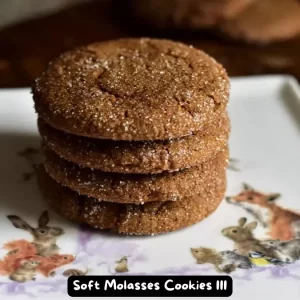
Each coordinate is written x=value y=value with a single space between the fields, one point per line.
x=249 y=37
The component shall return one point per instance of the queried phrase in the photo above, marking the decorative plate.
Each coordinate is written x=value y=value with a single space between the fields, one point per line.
x=263 y=187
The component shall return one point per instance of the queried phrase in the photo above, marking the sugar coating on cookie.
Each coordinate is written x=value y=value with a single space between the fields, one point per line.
x=147 y=157
x=134 y=188
x=132 y=89
x=148 y=219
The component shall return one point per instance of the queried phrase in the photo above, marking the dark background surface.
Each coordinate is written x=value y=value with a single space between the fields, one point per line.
x=26 y=48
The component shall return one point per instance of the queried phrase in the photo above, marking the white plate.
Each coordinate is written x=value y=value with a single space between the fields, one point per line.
x=265 y=116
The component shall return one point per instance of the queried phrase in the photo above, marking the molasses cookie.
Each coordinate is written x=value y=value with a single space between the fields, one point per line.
x=150 y=218
x=266 y=21
x=135 y=188
x=132 y=89
x=138 y=157
x=187 y=14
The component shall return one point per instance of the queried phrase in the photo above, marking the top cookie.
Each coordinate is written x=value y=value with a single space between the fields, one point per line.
x=132 y=89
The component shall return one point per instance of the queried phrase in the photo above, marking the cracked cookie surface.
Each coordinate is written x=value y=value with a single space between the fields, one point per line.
x=132 y=89
x=135 y=188
x=139 y=157
x=148 y=219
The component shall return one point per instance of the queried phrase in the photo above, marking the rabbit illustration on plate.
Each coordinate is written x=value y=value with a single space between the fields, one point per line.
x=246 y=244
x=223 y=261
x=44 y=236
x=243 y=238
x=25 y=271
x=25 y=258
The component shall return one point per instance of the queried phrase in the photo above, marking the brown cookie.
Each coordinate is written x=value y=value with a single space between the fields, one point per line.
x=265 y=21
x=187 y=14
x=134 y=188
x=150 y=218
x=132 y=89
x=138 y=157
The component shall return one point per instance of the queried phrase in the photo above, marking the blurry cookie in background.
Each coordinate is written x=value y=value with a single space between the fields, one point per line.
x=16 y=11
x=186 y=14
x=251 y=21
x=265 y=21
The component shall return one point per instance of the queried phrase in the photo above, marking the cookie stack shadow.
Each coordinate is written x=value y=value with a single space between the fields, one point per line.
x=134 y=135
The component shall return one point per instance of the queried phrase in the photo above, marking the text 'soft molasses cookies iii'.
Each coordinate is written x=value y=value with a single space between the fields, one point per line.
x=132 y=89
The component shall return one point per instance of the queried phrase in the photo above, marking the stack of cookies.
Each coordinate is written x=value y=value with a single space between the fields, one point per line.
x=134 y=135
